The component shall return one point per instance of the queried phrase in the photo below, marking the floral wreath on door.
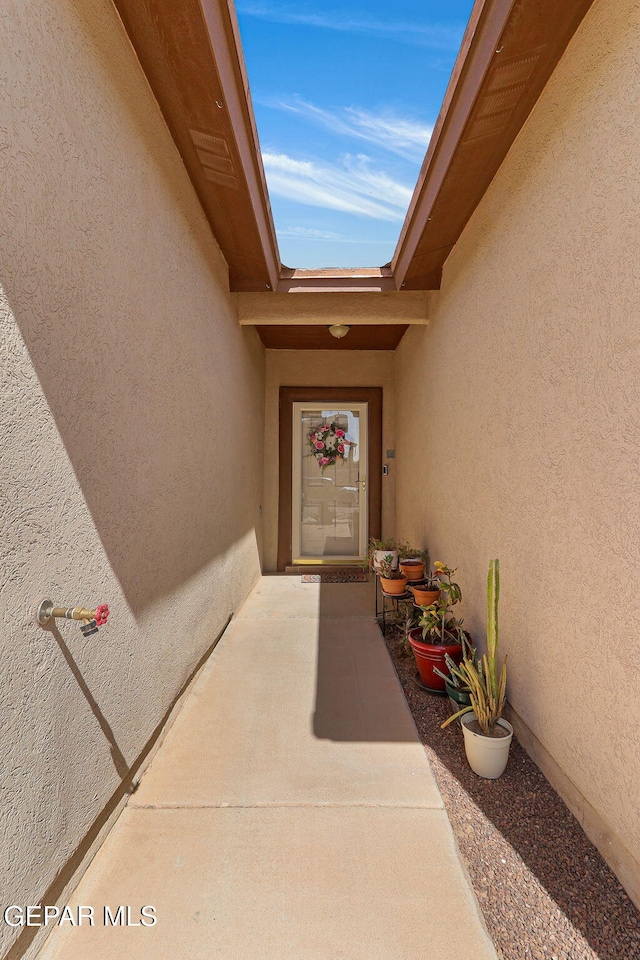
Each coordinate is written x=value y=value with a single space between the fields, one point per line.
x=328 y=444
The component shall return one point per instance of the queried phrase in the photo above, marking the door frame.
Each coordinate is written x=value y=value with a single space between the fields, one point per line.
x=312 y=395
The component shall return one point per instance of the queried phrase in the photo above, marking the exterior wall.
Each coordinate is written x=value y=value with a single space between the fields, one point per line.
x=132 y=428
x=525 y=397
x=301 y=368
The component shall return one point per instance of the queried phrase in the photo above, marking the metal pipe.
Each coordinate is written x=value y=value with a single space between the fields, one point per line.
x=73 y=613
x=97 y=618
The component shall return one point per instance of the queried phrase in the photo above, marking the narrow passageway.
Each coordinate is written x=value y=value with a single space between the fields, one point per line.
x=290 y=813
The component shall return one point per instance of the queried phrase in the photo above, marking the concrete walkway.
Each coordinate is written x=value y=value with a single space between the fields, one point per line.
x=290 y=813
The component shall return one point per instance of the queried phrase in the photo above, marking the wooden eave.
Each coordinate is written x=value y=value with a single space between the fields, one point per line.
x=336 y=280
x=508 y=53
x=385 y=336
x=191 y=54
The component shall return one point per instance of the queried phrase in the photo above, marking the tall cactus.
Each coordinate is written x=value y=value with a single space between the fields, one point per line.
x=487 y=688
x=493 y=594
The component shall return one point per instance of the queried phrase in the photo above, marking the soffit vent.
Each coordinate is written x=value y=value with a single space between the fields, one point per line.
x=208 y=142
x=489 y=125
x=221 y=164
x=215 y=158
x=500 y=100
x=214 y=176
x=506 y=84
x=513 y=72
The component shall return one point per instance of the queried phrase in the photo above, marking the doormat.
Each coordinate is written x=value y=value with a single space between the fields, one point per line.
x=336 y=576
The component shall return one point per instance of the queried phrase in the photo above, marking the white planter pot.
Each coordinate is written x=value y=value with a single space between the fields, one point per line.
x=381 y=554
x=487 y=756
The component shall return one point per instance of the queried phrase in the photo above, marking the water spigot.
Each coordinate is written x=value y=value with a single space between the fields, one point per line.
x=90 y=619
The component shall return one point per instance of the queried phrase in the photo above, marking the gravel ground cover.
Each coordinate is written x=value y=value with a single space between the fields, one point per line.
x=545 y=891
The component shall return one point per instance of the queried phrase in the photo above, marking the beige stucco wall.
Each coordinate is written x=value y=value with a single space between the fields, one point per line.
x=324 y=368
x=523 y=437
x=131 y=408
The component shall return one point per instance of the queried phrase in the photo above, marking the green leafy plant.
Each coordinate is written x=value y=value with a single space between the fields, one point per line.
x=389 y=544
x=487 y=686
x=408 y=620
x=386 y=571
x=411 y=553
x=438 y=625
x=432 y=580
x=376 y=545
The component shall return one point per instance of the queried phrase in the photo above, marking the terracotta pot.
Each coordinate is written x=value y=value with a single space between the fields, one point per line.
x=487 y=756
x=425 y=597
x=430 y=655
x=395 y=587
x=412 y=569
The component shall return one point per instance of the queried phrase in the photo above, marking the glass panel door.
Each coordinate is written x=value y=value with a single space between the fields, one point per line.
x=330 y=462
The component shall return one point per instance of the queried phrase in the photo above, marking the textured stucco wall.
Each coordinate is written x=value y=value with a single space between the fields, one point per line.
x=522 y=440
x=131 y=408
x=324 y=368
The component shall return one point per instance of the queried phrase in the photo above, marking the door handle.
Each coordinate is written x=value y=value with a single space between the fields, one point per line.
x=363 y=482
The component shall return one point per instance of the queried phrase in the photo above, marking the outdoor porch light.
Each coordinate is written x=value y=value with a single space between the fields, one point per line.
x=339 y=330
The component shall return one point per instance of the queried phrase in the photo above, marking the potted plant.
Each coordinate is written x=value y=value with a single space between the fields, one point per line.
x=457 y=691
x=428 y=591
x=413 y=562
x=439 y=632
x=392 y=581
x=378 y=550
x=487 y=735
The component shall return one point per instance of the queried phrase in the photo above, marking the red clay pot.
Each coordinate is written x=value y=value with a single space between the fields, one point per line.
x=394 y=587
x=412 y=569
x=430 y=655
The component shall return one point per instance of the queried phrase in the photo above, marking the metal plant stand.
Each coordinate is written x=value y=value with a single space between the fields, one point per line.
x=389 y=601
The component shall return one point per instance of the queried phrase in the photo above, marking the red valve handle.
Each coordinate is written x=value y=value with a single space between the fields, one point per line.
x=102 y=613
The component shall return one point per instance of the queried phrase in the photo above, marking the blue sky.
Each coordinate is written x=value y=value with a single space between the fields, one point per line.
x=346 y=95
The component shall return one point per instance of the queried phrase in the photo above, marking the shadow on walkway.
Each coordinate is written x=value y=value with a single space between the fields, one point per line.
x=354 y=685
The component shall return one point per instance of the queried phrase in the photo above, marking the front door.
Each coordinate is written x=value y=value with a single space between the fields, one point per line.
x=329 y=483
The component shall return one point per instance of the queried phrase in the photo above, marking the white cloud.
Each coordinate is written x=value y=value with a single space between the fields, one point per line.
x=400 y=135
x=352 y=187
x=324 y=236
x=394 y=133
x=433 y=35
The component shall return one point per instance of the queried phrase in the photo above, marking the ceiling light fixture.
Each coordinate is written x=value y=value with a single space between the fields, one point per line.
x=339 y=330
